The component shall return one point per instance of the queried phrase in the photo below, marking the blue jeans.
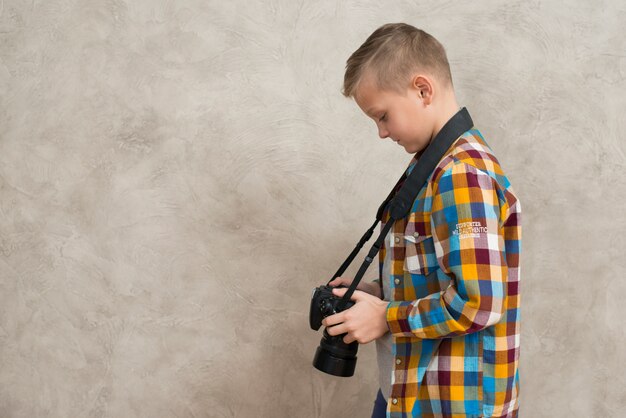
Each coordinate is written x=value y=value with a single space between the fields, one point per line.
x=380 y=406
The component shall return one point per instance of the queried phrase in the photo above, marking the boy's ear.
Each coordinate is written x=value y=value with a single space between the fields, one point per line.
x=423 y=87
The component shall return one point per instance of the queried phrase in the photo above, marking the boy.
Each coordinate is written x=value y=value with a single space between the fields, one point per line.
x=445 y=313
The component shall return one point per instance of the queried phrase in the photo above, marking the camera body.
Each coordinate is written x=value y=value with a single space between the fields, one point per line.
x=333 y=356
x=324 y=303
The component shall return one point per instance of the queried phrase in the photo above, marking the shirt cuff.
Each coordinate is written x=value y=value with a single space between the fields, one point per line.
x=398 y=317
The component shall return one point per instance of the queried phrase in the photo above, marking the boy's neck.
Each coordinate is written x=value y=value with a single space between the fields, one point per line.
x=449 y=108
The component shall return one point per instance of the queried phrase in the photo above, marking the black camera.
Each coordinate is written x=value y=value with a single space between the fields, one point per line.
x=333 y=356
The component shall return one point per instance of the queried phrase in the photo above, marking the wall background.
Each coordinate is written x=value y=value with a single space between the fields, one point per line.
x=177 y=176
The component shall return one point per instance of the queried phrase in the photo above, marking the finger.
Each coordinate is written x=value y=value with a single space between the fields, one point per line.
x=340 y=281
x=340 y=292
x=335 y=319
x=337 y=329
x=348 y=339
x=356 y=296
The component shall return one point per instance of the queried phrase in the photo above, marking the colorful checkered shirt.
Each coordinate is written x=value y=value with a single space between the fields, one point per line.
x=454 y=309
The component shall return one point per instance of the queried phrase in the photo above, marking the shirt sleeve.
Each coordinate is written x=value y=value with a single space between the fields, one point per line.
x=469 y=243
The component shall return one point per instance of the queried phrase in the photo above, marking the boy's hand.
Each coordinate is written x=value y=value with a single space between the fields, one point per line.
x=364 y=322
x=371 y=288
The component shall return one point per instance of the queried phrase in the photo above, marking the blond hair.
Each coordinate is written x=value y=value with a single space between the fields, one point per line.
x=393 y=53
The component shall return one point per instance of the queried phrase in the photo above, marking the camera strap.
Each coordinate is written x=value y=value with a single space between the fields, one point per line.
x=399 y=202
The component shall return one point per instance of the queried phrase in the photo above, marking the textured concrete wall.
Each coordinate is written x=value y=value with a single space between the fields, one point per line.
x=176 y=176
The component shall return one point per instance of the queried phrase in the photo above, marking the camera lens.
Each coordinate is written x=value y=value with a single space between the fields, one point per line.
x=334 y=356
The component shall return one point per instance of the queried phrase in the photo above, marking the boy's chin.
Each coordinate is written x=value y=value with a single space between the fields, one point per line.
x=412 y=149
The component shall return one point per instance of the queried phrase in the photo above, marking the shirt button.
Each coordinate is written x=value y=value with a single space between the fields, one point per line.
x=394 y=401
x=397 y=281
x=398 y=361
x=397 y=239
x=415 y=234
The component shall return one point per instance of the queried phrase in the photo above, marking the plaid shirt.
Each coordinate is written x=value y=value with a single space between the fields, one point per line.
x=454 y=308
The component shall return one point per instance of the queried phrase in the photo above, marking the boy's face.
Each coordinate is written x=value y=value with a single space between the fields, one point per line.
x=406 y=119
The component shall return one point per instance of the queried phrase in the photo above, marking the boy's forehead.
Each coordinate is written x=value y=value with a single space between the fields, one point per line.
x=367 y=104
x=371 y=98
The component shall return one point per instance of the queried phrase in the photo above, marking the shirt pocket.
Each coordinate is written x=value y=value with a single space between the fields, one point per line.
x=420 y=257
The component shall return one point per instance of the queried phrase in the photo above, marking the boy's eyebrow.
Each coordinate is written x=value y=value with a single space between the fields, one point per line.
x=369 y=111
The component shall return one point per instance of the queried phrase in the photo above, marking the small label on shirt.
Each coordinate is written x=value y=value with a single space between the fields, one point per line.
x=469 y=230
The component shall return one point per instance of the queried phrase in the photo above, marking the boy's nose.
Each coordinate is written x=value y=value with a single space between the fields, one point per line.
x=383 y=133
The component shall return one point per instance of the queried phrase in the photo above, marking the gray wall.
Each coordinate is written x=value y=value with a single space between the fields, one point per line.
x=176 y=177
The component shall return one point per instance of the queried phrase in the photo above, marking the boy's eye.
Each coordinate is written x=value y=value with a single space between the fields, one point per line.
x=383 y=117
